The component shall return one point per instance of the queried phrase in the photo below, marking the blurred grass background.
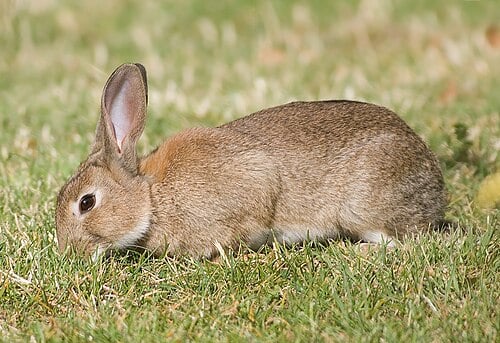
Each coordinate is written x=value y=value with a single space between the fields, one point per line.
x=435 y=63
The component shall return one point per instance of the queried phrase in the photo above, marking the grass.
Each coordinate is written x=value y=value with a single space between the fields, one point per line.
x=434 y=63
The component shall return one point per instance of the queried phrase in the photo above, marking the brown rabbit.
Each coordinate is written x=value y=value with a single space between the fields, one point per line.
x=304 y=170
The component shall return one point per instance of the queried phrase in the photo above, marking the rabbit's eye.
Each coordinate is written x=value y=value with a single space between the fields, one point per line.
x=87 y=203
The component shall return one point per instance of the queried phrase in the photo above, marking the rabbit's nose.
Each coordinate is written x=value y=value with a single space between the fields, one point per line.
x=75 y=246
x=62 y=243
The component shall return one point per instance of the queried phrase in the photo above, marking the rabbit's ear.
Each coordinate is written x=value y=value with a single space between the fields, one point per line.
x=123 y=115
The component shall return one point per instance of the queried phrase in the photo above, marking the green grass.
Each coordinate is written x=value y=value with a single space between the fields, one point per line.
x=210 y=62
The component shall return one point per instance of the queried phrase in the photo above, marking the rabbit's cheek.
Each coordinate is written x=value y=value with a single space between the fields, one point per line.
x=135 y=234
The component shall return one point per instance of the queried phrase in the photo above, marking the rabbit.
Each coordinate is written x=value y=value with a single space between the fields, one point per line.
x=301 y=171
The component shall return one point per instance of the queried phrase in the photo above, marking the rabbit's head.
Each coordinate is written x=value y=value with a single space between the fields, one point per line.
x=106 y=204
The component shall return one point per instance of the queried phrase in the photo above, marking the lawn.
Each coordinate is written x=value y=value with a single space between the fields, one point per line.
x=435 y=63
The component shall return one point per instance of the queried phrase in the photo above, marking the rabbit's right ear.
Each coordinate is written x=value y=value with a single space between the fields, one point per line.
x=123 y=115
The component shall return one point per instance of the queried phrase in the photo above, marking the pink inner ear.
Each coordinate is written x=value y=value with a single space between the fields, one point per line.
x=121 y=113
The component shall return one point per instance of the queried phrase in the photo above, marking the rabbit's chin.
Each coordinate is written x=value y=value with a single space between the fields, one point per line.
x=99 y=251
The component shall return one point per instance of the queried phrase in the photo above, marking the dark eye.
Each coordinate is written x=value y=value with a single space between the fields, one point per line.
x=87 y=202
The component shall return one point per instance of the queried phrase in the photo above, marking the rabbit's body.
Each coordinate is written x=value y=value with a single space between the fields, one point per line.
x=305 y=170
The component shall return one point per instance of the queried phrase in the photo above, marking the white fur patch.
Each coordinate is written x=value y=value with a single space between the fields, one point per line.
x=134 y=235
x=292 y=235
x=378 y=237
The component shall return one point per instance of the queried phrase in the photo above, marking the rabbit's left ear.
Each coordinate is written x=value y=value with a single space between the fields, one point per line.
x=123 y=116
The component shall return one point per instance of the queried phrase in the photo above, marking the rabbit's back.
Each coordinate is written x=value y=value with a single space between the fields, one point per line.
x=321 y=128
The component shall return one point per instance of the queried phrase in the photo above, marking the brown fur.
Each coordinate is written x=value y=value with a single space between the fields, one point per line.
x=305 y=169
